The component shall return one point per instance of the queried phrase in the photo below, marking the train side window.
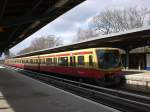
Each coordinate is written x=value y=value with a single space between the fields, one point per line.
x=90 y=60
x=31 y=61
x=43 y=60
x=71 y=61
x=55 y=60
x=40 y=61
x=63 y=61
x=59 y=61
x=80 y=60
x=49 y=60
x=36 y=61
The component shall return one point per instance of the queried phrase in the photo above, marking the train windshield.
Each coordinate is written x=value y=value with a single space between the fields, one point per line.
x=108 y=59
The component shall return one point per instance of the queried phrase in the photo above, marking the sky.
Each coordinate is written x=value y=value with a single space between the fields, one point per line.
x=66 y=26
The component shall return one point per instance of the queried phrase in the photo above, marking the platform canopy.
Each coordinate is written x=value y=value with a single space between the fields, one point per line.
x=126 y=40
x=21 y=18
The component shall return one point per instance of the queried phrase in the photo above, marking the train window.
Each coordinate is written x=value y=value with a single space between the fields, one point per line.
x=55 y=60
x=43 y=61
x=80 y=60
x=63 y=61
x=72 y=61
x=109 y=59
x=31 y=61
x=59 y=61
x=36 y=61
x=90 y=60
x=40 y=61
x=49 y=60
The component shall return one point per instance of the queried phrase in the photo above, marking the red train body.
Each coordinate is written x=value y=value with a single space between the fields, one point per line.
x=94 y=63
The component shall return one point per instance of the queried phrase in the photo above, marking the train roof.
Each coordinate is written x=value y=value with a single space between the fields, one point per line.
x=48 y=52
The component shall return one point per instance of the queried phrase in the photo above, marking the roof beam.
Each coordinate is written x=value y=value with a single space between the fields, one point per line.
x=37 y=3
x=23 y=20
x=30 y=18
x=32 y=23
x=3 y=4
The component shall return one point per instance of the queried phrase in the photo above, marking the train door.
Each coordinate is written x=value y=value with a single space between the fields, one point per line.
x=72 y=69
x=72 y=61
x=38 y=61
x=91 y=63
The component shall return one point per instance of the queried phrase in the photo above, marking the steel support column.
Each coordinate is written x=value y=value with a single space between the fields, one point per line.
x=127 y=58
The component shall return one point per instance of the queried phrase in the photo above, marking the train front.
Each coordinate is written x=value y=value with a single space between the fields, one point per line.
x=109 y=62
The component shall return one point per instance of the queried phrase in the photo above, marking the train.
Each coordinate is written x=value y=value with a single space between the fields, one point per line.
x=103 y=65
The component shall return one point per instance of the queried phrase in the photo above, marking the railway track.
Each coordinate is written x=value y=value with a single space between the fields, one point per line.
x=121 y=100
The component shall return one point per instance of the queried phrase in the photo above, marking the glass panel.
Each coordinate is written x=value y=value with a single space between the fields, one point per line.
x=90 y=60
x=80 y=60
x=63 y=61
x=108 y=59
x=72 y=61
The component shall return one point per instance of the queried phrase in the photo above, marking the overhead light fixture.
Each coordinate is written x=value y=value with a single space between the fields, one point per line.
x=14 y=42
x=22 y=35
x=35 y=24
x=61 y=3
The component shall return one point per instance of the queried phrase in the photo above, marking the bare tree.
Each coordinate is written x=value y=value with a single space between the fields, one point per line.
x=52 y=41
x=26 y=50
x=84 y=34
x=117 y=20
x=42 y=43
x=148 y=20
x=38 y=44
x=11 y=54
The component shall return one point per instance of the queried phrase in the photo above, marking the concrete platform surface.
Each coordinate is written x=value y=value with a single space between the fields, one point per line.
x=19 y=93
x=137 y=75
x=137 y=79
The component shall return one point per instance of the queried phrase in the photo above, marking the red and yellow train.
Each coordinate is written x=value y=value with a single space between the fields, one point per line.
x=100 y=64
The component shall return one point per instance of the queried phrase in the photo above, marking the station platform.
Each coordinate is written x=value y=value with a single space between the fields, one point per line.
x=137 y=79
x=19 y=93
